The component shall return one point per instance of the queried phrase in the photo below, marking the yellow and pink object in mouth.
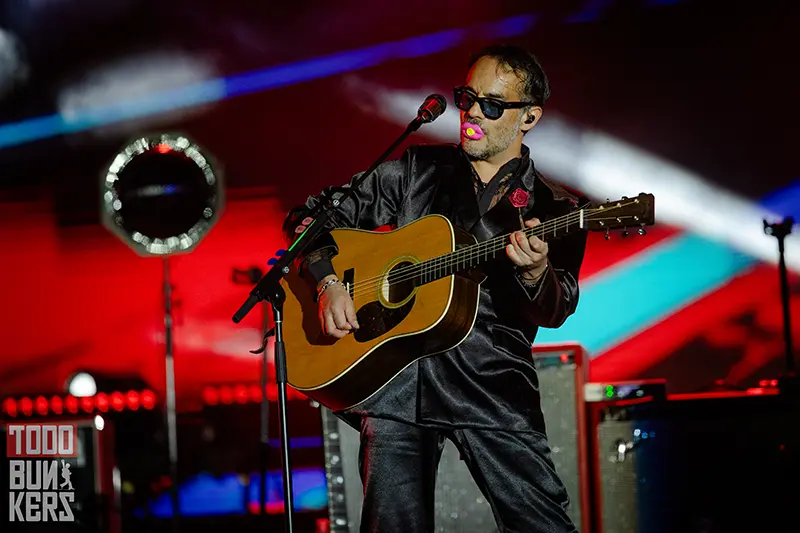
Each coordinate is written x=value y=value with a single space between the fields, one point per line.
x=471 y=131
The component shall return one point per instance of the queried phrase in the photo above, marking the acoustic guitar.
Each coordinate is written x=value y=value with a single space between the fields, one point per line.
x=415 y=292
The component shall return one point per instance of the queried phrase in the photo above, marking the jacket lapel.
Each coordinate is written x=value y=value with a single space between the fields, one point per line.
x=504 y=218
x=456 y=197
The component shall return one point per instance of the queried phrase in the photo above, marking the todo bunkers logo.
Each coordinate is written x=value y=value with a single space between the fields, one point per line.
x=40 y=488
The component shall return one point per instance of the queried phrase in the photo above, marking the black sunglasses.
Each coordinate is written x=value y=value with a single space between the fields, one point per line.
x=490 y=107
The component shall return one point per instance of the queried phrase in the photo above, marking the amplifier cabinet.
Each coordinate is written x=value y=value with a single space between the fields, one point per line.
x=562 y=370
x=696 y=464
x=459 y=505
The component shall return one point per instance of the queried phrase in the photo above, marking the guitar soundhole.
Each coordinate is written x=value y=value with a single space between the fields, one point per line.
x=380 y=317
x=399 y=284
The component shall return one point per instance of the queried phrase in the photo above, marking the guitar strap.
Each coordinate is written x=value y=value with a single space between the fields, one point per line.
x=488 y=193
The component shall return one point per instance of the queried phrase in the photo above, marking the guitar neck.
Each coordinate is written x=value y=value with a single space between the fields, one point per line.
x=474 y=255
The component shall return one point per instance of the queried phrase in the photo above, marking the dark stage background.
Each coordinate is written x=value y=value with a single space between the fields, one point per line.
x=691 y=100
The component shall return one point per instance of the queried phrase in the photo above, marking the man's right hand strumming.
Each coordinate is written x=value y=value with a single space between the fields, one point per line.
x=337 y=314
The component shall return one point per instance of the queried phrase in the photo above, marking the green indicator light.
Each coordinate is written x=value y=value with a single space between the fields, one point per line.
x=301 y=235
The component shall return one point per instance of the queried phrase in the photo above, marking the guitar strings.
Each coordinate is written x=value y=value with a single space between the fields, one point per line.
x=437 y=264
x=483 y=248
x=453 y=258
x=486 y=246
x=466 y=254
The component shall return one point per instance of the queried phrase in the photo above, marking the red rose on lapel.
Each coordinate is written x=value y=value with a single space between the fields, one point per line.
x=519 y=198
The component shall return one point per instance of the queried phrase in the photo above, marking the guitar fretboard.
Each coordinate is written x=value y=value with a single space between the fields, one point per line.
x=474 y=255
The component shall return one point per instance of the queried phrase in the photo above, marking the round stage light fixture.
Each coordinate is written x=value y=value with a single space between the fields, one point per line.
x=82 y=385
x=161 y=195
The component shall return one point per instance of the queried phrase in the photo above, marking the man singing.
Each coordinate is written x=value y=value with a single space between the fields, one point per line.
x=482 y=394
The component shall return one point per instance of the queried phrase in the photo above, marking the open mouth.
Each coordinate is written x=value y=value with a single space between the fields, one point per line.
x=471 y=131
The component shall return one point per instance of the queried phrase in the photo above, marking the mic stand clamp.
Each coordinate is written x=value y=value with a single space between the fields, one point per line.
x=269 y=288
x=779 y=230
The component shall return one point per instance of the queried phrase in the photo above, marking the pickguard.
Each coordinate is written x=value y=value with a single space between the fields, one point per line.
x=375 y=320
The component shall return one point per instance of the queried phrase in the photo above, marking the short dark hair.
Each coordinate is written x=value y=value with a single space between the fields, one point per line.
x=535 y=85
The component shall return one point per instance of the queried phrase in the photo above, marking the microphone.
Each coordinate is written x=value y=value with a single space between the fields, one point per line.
x=432 y=108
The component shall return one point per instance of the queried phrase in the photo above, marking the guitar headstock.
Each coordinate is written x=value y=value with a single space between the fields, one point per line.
x=625 y=213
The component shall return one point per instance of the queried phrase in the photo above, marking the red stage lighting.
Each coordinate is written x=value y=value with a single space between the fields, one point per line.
x=57 y=405
x=26 y=406
x=10 y=407
x=41 y=405
x=132 y=400
x=210 y=396
x=240 y=393
x=87 y=404
x=101 y=401
x=148 y=399
x=117 y=401
x=225 y=395
x=255 y=394
x=72 y=404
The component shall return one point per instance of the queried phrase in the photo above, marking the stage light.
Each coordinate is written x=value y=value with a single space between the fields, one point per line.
x=99 y=404
x=210 y=396
x=71 y=403
x=241 y=393
x=117 y=401
x=87 y=404
x=82 y=384
x=42 y=405
x=26 y=406
x=161 y=195
x=13 y=68
x=99 y=423
x=57 y=405
x=148 y=399
x=10 y=407
x=132 y=400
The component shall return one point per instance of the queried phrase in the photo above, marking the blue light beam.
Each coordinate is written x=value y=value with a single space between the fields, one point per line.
x=217 y=89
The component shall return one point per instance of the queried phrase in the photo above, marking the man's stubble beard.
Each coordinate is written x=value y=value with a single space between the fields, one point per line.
x=494 y=146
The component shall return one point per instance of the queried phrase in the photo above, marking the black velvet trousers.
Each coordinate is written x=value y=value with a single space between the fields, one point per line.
x=398 y=465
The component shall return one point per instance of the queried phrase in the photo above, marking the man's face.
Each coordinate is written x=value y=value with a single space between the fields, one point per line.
x=488 y=79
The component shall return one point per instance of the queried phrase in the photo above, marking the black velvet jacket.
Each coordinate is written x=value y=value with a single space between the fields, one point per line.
x=487 y=381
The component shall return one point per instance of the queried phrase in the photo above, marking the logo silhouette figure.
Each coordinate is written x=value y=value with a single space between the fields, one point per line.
x=66 y=474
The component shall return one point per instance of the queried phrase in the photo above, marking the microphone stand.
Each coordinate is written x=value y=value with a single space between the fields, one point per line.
x=780 y=230
x=171 y=414
x=270 y=289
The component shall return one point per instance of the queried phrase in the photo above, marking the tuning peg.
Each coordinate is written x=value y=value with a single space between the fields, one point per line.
x=642 y=231
x=272 y=261
x=280 y=252
x=608 y=237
